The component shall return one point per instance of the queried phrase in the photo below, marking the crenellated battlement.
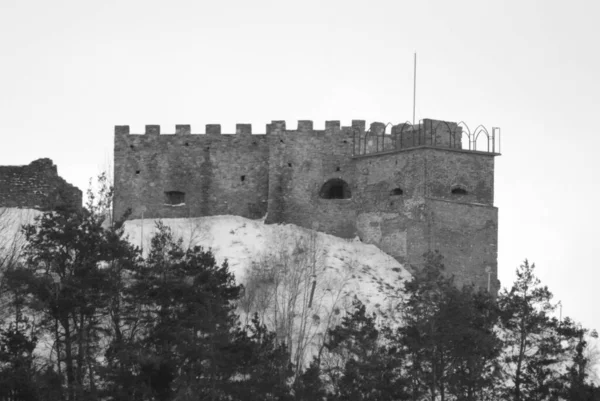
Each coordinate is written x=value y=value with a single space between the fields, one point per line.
x=378 y=138
x=244 y=128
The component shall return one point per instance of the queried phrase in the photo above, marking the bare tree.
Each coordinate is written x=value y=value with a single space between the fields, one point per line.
x=295 y=293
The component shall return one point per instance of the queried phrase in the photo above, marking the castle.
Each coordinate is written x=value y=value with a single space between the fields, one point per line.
x=412 y=189
x=36 y=186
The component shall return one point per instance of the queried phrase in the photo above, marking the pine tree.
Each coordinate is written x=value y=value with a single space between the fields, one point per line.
x=189 y=342
x=66 y=276
x=17 y=370
x=371 y=367
x=448 y=336
x=537 y=345
x=309 y=386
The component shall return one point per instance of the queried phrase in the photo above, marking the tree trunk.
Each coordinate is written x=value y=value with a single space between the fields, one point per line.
x=69 y=360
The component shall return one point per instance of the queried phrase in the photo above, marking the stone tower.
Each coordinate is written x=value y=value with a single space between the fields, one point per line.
x=408 y=190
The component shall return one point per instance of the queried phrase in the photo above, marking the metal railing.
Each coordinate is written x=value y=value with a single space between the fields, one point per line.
x=427 y=133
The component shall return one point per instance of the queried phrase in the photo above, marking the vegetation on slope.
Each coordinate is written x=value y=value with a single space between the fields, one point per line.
x=164 y=325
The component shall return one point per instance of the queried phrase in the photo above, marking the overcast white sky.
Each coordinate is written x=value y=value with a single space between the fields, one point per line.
x=71 y=70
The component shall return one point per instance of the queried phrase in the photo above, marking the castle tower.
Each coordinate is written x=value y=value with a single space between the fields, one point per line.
x=407 y=190
x=427 y=190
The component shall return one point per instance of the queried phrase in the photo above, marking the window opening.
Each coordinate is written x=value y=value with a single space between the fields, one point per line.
x=335 y=189
x=243 y=178
x=174 y=198
x=137 y=172
x=459 y=191
x=396 y=192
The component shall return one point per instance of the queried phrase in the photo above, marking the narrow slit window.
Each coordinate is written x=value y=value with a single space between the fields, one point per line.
x=459 y=191
x=396 y=192
x=174 y=198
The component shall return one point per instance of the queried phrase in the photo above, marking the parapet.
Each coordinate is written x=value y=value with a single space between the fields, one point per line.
x=378 y=138
x=240 y=128
x=428 y=132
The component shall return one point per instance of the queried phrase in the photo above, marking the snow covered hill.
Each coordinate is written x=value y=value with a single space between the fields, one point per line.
x=299 y=281
x=363 y=270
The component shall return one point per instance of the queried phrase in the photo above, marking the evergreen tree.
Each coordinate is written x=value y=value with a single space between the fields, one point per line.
x=66 y=276
x=309 y=386
x=448 y=336
x=17 y=370
x=189 y=343
x=537 y=345
x=370 y=368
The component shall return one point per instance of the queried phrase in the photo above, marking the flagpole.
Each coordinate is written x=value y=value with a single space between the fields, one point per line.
x=414 y=89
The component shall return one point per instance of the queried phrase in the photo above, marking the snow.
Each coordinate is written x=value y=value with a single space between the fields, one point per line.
x=11 y=222
x=342 y=269
x=361 y=269
x=373 y=276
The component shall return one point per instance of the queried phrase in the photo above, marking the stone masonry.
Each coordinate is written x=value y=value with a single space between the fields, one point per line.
x=36 y=186
x=414 y=189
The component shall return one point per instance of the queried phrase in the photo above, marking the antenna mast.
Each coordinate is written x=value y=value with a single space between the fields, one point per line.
x=415 y=89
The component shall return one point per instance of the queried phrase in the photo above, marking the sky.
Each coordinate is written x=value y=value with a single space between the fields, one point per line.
x=72 y=70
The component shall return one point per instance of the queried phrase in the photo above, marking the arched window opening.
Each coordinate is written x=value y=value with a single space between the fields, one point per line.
x=174 y=198
x=335 y=189
x=459 y=191
x=396 y=192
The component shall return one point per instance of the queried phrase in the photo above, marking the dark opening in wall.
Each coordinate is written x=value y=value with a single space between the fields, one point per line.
x=335 y=189
x=289 y=164
x=137 y=172
x=337 y=169
x=243 y=178
x=174 y=198
x=396 y=192
x=131 y=146
x=459 y=191
x=187 y=144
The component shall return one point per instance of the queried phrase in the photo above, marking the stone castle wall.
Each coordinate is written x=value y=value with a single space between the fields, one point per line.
x=411 y=191
x=36 y=186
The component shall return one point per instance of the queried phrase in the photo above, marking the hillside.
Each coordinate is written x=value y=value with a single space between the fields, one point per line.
x=278 y=265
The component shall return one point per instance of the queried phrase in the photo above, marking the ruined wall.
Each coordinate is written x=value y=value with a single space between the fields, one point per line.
x=218 y=173
x=36 y=186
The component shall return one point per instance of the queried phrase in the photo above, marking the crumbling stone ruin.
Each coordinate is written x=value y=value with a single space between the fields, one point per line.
x=409 y=190
x=36 y=186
